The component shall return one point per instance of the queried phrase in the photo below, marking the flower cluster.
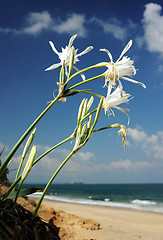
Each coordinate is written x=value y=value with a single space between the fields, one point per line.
x=123 y=68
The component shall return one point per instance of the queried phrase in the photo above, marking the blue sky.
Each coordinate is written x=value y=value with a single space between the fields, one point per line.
x=25 y=30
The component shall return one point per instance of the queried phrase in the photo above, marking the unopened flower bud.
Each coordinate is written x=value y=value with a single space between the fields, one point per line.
x=29 y=163
x=90 y=103
x=28 y=143
x=81 y=109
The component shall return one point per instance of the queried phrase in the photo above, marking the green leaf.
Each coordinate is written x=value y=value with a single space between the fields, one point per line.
x=24 y=192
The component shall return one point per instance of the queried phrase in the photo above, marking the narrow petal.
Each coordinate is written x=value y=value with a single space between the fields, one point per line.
x=71 y=40
x=134 y=81
x=124 y=110
x=129 y=44
x=88 y=49
x=81 y=74
x=109 y=90
x=53 y=47
x=53 y=66
x=109 y=54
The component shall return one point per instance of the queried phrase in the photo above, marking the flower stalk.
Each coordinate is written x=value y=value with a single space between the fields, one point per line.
x=25 y=151
x=79 y=143
x=27 y=169
x=20 y=141
x=87 y=119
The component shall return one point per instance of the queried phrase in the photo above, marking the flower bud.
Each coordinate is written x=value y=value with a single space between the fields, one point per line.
x=29 y=163
x=84 y=108
x=28 y=143
x=81 y=109
x=90 y=103
x=89 y=123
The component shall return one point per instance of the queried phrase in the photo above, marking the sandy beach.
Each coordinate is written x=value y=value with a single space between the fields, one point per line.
x=115 y=223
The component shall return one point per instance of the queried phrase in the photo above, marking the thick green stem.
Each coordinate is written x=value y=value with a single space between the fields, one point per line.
x=17 y=193
x=86 y=69
x=116 y=125
x=88 y=80
x=50 y=181
x=39 y=158
x=19 y=168
x=15 y=148
x=54 y=147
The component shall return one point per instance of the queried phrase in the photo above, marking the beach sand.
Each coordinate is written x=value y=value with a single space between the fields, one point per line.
x=107 y=223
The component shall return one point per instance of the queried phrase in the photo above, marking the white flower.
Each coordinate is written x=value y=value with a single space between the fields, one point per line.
x=117 y=97
x=123 y=133
x=122 y=68
x=65 y=55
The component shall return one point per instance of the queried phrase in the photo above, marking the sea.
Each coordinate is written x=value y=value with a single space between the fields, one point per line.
x=146 y=197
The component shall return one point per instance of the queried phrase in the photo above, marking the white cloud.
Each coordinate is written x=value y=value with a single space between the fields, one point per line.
x=112 y=26
x=153 y=30
x=9 y=30
x=152 y=144
x=83 y=164
x=56 y=157
x=37 y=22
x=126 y=164
x=139 y=41
x=160 y=68
x=129 y=165
x=73 y=24
x=85 y=156
x=17 y=159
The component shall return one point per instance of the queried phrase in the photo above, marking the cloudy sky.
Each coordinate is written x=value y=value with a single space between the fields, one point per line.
x=25 y=30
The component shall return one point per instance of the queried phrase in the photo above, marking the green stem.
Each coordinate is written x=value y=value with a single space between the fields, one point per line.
x=51 y=149
x=88 y=80
x=19 y=168
x=39 y=158
x=17 y=193
x=87 y=92
x=117 y=125
x=86 y=69
x=68 y=157
x=50 y=181
x=15 y=148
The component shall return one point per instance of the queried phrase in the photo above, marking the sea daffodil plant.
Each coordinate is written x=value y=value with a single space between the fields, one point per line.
x=87 y=119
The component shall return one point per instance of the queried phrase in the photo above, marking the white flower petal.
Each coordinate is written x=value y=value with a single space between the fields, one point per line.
x=134 y=81
x=129 y=44
x=54 y=66
x=109 y=90
x=81 y=74
x=53 y=47
x=117 y=97
x=88 y=49
x=109 y=54
x=125 y=67
x=71 y=40
x=124 y=110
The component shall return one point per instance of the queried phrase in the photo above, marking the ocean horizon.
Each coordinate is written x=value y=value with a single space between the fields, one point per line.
x=145 y=196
